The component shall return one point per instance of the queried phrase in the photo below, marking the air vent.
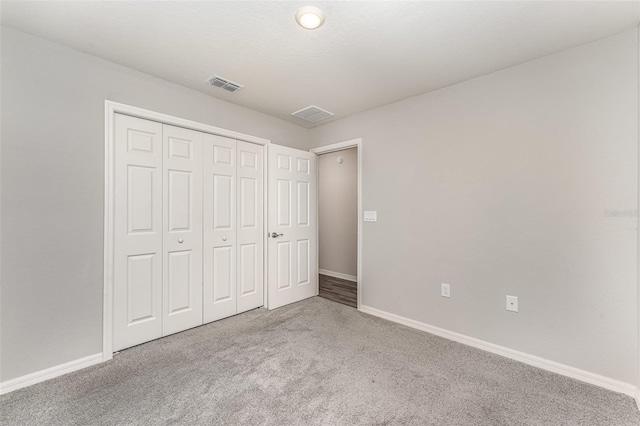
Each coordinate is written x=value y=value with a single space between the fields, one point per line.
x=312 y=114
x=225 y=84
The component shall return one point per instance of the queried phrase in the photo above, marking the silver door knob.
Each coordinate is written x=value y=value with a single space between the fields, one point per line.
x=224 y=238
x=180 y=240
x=276 y=235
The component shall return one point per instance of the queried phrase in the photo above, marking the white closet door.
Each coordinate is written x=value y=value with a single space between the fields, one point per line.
x=250 y=232
x=219 y=227
x=292 y=247
x=137 y=289
x=182 y=223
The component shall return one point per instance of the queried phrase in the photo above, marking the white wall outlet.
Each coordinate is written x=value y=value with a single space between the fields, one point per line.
x=445 y=290
x=371 y=216
x=512 y=303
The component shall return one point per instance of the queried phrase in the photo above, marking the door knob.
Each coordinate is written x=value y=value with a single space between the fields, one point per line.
x=180 y=240
x=276 y=235
x=224 y=238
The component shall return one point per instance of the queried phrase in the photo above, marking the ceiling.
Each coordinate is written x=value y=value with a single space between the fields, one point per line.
x=366 y=54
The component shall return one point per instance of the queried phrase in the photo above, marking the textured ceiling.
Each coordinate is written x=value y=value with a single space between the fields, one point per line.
x=367 y=54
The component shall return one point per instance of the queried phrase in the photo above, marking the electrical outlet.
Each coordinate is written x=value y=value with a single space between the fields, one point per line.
x=445 y=290
x=512 y=303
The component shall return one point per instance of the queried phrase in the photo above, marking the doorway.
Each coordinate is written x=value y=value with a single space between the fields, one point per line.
x=338 y=222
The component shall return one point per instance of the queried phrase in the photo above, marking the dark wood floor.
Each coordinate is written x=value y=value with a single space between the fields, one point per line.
x=339 y=290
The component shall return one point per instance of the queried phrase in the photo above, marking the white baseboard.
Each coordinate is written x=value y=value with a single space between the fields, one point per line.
x=338 y=275
x=545 y=364
x=555 y=367
x=49 y=373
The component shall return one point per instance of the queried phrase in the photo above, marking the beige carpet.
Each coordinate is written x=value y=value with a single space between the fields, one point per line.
x=311 y=363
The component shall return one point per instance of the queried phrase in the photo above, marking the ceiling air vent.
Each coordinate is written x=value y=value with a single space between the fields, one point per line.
x=312 y=114
x=225 y=84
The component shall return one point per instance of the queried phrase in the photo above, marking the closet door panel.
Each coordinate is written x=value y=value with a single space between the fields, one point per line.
x=250 y=247
x=182 y=223
x=179 y=290
x=219 y=227
x=248 y=271
x=222 y=274
x=137 y=289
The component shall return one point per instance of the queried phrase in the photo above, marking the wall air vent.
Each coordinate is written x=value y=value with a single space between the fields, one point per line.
x=225 y=84
x=312 y=114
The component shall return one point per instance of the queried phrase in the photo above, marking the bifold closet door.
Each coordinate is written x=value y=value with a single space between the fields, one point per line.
x=137 y=289
x=250 y=235
x=182 y=223
x=233 y=227
x=189 y=231
x=219 y=285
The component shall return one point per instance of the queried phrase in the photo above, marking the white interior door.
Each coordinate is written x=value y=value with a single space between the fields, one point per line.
x=250 y=249
x=219 y=227
x=137 y=283
x=182 y=223
x=293 y=269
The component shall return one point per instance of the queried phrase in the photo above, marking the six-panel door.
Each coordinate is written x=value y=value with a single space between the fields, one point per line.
x=292 y=272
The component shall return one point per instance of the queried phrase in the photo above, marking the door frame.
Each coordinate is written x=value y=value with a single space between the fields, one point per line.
x=340 y=146
x=112 y=108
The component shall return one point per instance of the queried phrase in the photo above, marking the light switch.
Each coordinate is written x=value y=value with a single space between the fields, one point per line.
x=371 y=216
x=445 y=290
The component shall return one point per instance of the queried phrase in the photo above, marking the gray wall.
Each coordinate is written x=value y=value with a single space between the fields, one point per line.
x=338 y=211
x=500 y=185
x=52 y=133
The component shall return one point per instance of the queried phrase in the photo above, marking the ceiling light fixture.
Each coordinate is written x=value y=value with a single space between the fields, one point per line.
x=309 y=17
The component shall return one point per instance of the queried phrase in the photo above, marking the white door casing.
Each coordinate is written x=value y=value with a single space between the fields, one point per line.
x=137 y=283
x=182 y=225
x=292 y=216
x=219 y=227
x=250 y=226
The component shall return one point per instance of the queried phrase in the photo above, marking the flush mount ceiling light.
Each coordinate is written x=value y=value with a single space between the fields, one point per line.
x=309 y=17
